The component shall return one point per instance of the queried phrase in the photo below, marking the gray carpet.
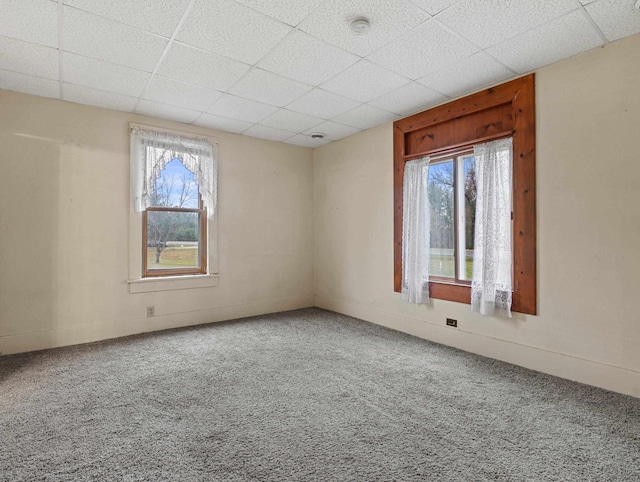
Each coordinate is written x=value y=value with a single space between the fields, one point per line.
x=304 y=395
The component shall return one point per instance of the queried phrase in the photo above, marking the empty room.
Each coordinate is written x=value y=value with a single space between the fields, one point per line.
x=319 y=240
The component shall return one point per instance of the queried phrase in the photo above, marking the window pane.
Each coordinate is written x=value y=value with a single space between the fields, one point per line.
x=469 y=215
x=176 y=187
x=172 y=240
x=440 y=188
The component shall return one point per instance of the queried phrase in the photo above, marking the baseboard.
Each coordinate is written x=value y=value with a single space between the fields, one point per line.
x=617 y=379
x=590 y=372
x=90 y=332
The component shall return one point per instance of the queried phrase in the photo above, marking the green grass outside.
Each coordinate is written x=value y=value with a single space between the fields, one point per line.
x=444 y=266
x=186 y=257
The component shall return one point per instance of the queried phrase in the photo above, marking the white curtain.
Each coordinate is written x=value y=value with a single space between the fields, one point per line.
x=415 y=232
x=151 y=151
x=492 y=259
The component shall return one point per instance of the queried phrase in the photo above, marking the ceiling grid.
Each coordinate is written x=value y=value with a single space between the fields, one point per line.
x=282 y=69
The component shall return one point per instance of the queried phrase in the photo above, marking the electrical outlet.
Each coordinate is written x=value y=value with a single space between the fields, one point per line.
x=151 y=311
x=452 y=322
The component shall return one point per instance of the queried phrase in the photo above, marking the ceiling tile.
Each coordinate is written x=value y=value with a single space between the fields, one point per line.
x=270 y=133
x=306 y=141
x=176 y=93
x=29 y=85
x=365 y=116
x=434 y=6
x=241 y=109
x=409 y=98
x=389 y=20
x=232 y=30
x=98 y=98
x=470 y=74
x=426 y=48
x=33 y=21
x=150 y=15
x=616 y=18
x=305 y=58
x=321 y=103
x=105 y=39
x=103 y=75
x=333 y=130
x=287 y=11
x=201 y=68
x=562 y=38
x=28 y=58
x=364 y=81
x=113 y=53
x=222 y=123
x=165 y=111
x=291 y=121
x=488 y=22
x=270 y=88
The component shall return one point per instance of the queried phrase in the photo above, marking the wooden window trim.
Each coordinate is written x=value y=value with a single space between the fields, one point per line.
x=202 y=243
x=469 y=121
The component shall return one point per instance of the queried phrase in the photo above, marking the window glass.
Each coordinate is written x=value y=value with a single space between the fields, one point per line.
x=173 y=237
x=469 y=216
x=172 y=240
x=452 y=201
x=441 y=201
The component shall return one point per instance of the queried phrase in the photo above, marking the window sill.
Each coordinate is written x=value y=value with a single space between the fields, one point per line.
x=170 y=283
x=460 y=293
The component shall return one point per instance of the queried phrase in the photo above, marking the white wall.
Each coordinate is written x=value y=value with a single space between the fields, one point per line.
x=64 y=207
x=588 y=175
x=64 y=211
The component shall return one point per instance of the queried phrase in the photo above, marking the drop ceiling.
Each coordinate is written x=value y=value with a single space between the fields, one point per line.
x=281 y=69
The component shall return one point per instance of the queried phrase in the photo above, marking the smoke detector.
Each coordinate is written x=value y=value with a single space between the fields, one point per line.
x=361 y=26
x=317 y=135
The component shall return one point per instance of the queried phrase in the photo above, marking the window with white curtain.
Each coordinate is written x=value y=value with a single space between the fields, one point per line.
x=457 y=225
x=174 y=189
x=481 y=243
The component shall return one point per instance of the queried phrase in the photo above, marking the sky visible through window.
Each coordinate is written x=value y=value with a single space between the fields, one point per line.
x=176 y=186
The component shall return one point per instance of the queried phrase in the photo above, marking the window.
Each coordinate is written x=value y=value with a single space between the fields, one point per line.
x=174 y=187
x=452 y=195
x=174 y=225
x=446 y=135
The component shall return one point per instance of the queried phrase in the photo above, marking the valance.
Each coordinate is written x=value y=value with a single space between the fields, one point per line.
x=151 y=151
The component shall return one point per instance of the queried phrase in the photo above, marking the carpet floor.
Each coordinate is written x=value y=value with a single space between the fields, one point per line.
x=304 y=395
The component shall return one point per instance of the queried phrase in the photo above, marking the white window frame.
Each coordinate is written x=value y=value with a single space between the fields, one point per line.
x=138 y=284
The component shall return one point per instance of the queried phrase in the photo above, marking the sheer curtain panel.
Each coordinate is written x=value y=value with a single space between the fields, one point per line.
x=151 y=151
x=491 y=289
x=415 y=232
